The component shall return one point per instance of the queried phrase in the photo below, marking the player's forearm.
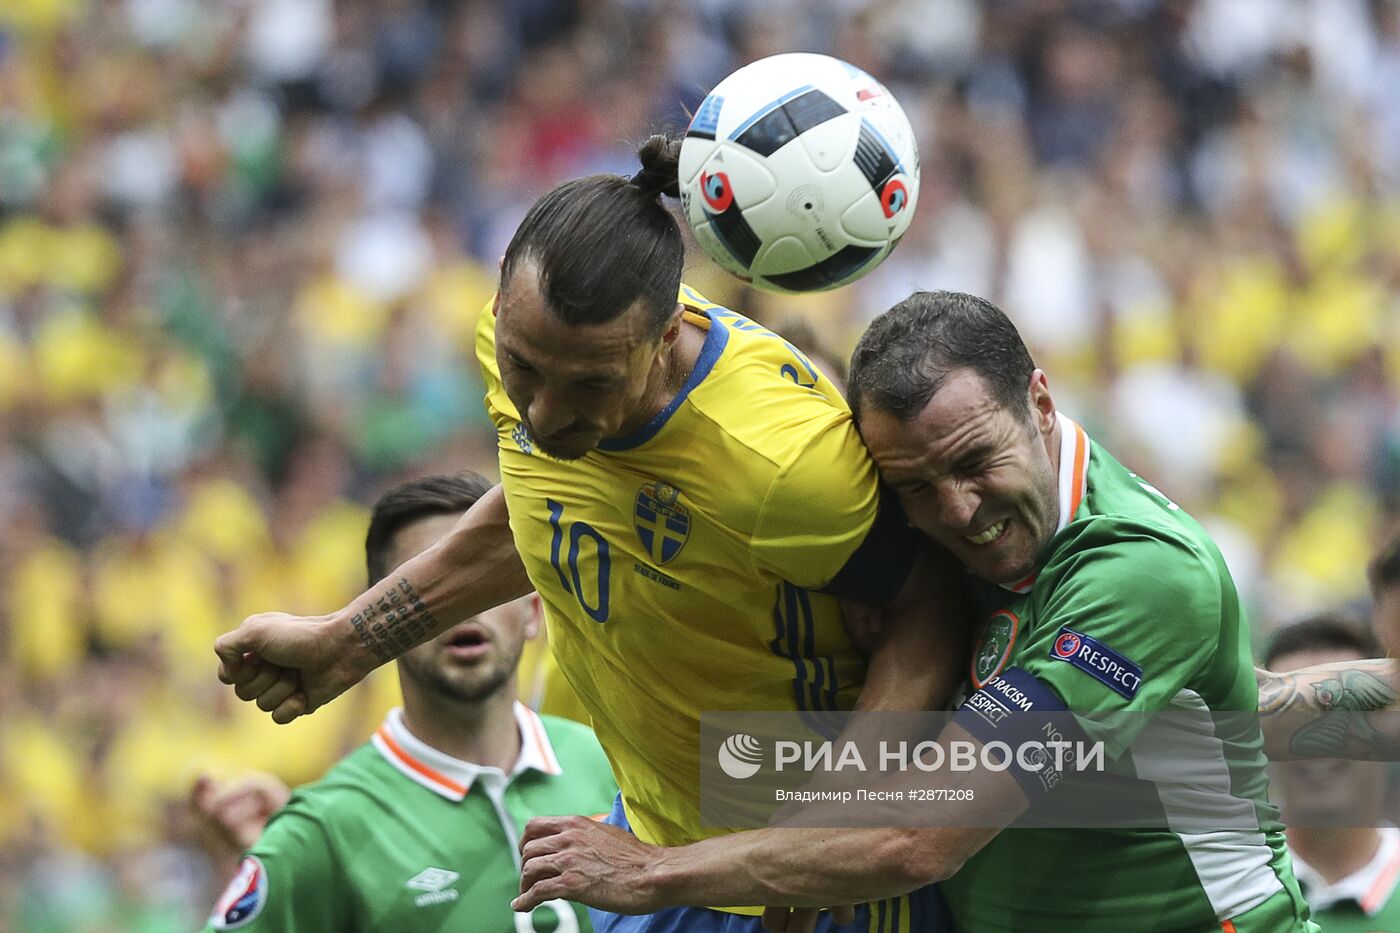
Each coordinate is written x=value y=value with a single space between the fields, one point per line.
x=474 y=568
x=1318 y=712
x=804 y=866
x=797 y=867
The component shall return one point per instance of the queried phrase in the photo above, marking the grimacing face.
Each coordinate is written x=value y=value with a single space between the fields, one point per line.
x=975 y=476
x=1328 y=791
x=573 y=386
x=475 y=658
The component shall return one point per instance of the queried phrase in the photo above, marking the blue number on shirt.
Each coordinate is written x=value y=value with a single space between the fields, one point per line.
x=807 y=376
x=577 y=532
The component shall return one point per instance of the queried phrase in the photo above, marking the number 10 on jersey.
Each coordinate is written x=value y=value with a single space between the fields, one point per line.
x=572 y=582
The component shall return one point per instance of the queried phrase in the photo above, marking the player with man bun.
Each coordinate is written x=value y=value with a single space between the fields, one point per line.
x=688 y=495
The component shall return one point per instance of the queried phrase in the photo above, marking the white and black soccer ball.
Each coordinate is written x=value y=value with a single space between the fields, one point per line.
x=799 y=173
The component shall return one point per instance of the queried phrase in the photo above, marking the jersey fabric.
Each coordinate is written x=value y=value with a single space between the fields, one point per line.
x=400 y=836
x=1367 y=900
x=679 y=566
x=1131 y=608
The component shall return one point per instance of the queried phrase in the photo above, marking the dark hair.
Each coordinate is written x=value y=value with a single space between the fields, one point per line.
x=602 y=242
x=903 y=358
x=1326 y=630
x=1384 y=570
x=412 y=502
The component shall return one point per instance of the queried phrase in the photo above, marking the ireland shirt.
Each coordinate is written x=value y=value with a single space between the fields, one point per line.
x=399 y=836
x=1131 y=610
x=1367 y=900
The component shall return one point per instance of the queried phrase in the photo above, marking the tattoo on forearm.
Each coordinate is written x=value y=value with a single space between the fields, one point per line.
x=396 y=622
x=361 y=625
x=1277 y=692
x=1327 y=710
x=1361 y=688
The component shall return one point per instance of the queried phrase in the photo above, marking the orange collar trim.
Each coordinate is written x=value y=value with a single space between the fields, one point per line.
x=451 y=777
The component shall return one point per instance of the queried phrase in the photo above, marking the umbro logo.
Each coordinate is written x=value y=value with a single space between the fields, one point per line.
x=432 y=882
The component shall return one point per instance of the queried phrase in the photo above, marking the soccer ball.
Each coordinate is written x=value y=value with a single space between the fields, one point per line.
x=799 y=173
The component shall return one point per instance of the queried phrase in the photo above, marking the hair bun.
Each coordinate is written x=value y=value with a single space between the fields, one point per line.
x=661 y=160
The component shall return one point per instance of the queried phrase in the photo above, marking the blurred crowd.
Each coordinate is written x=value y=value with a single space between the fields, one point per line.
x=243 y=244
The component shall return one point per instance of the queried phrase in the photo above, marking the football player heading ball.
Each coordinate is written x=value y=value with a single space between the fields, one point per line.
x=688 y=495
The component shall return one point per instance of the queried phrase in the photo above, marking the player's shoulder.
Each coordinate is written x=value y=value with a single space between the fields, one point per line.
x=350 y=791
x=761 y=392
x=564 y=731
x=1120 y=506
x=575 y=746
x=1134 y=551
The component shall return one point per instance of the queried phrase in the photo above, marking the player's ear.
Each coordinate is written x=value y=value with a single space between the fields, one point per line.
x=673 y=326
x=534 y=616
x=1042 y=405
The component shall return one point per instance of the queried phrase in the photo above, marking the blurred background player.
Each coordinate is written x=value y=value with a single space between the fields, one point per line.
x=1345 y=854
x=417 y=829
x=1384 y=577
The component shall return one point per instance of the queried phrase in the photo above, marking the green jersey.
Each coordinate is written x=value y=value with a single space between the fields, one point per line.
x=1131 y=609
x=400 y=836
x=1367 y=900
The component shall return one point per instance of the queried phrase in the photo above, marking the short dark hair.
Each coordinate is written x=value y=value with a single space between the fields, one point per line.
x=1321 y=632
x=412 y=502
x=602 y=242
x=1384 y=570
x=907 y=352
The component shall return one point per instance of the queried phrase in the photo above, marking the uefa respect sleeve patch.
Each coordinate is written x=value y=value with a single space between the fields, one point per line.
x=1097 y=660
x=244 y=897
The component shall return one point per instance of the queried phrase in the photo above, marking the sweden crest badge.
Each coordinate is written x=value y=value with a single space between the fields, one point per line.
x=661 y=522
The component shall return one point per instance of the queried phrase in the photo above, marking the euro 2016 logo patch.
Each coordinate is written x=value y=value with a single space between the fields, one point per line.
x=1097 y=660
x=894 y=197
x=661 y=522
x=716 y=191
x=994 y=647
x=244 y=897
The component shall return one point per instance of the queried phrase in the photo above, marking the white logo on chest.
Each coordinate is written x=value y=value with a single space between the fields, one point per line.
x=432 y=882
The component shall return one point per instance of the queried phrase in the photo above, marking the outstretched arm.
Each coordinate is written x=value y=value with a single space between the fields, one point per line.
x=1341 y=710
x=292 y=665
x=610 y=869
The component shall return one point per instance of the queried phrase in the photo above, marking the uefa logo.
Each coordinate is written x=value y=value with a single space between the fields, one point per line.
x=1067 y=645
x=741 y=756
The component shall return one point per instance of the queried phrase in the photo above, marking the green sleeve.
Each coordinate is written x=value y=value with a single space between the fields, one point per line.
x=1129 y=617
x=289 y=881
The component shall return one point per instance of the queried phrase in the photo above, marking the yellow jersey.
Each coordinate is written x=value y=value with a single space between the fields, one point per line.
x=678 y=566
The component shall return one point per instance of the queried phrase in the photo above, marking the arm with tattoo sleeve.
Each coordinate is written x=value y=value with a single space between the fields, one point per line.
x=1336 y=710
